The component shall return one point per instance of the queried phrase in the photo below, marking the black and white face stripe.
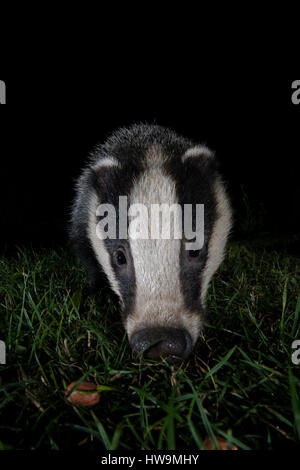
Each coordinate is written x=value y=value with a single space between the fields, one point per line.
x=159 y=300
x=160 y=284
x=195 y=174
x=108 y=174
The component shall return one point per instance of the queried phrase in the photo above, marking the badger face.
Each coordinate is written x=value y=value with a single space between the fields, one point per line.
x=161 y=283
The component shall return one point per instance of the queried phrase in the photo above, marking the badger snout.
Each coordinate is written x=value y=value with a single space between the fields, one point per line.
x=172 y=344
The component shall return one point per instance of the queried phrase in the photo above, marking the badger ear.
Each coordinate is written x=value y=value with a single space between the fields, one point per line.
x=104 y=163
x=103 y=174
x=200 y=158
x=198 y=151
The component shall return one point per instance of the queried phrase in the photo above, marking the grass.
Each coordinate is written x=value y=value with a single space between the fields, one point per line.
x=240 y=383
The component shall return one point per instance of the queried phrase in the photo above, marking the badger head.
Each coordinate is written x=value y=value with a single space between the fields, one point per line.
x=161 y=282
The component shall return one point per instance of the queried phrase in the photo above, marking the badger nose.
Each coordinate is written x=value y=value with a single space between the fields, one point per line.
x=173 y=344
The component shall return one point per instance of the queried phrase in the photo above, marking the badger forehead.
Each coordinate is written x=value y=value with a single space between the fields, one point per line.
x=156 y=261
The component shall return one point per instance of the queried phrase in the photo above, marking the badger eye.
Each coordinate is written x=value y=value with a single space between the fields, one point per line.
x=120 y=258
x=194 y=253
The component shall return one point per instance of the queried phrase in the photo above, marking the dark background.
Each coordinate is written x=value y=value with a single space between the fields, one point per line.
x=51 y=123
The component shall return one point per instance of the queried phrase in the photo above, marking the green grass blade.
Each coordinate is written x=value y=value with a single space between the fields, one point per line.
x=102 y=432
x=284 y=303
x=296 y=318
x=220 y=364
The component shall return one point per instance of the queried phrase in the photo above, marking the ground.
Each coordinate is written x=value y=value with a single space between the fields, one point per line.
x=240 y=382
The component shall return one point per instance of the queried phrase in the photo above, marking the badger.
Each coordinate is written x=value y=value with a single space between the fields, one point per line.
x=161 y=282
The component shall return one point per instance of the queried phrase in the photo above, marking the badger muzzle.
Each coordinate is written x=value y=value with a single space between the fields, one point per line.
x=172 y=344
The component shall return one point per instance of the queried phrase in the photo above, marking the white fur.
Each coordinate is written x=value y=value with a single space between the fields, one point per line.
x=197 y=151
x=106 y=162
x=217 y=243
x=99 y=245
